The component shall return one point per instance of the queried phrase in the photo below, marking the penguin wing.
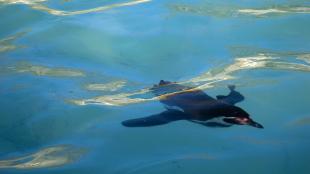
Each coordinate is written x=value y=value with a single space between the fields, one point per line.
x=156 y=119
x=232 y=98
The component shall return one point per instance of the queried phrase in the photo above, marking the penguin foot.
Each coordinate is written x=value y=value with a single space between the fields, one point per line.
x=162 y=82
x=231 y=87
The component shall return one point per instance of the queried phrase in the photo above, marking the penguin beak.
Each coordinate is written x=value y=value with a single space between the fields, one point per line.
x=255 y=124
x=248 y=121
x=243 y=121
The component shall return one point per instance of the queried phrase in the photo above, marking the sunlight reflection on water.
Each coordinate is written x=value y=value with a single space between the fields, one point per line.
x=46 y=157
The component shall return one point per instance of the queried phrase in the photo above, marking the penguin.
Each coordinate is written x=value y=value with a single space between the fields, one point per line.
x=194 y=105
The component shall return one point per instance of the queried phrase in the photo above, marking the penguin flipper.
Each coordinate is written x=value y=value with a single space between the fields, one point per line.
x=233 y=97
x=156 y=119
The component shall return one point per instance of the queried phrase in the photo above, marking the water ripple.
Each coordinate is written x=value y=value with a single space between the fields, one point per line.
x=112 y=86
x=46 y=157
x=274 y=11
x=39 y=70
x=38 y=5
x=210 y=9
x=7 y=44
x=304 y=57
x=269 y=61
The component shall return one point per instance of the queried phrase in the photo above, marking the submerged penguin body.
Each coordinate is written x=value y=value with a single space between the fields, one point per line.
x=196 y=106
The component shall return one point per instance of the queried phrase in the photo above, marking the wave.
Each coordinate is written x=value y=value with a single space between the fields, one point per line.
x=7 y=44
x=114 y=100
x=203 y=9
x=38 y=5
x=274 y=11
x=210 y=79
x=220 y=10
x=39 y=70
x=112 y=86
x=304 y=57
x=47 y=157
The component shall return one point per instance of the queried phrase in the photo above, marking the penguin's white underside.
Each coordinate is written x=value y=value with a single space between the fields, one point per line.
x=218 y=120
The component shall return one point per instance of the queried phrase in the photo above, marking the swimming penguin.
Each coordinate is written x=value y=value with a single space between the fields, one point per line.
x=187 y=103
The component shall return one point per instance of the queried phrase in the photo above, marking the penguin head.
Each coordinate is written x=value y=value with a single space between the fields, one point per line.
x=239 y=116
x=242 y=121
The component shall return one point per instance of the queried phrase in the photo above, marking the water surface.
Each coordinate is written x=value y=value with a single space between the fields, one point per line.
x=72 y=70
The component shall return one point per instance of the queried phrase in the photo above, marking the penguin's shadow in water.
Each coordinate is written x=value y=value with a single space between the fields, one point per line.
x=187 y=103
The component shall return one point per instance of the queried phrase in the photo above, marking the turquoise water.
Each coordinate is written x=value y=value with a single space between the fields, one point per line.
x=72 y=70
